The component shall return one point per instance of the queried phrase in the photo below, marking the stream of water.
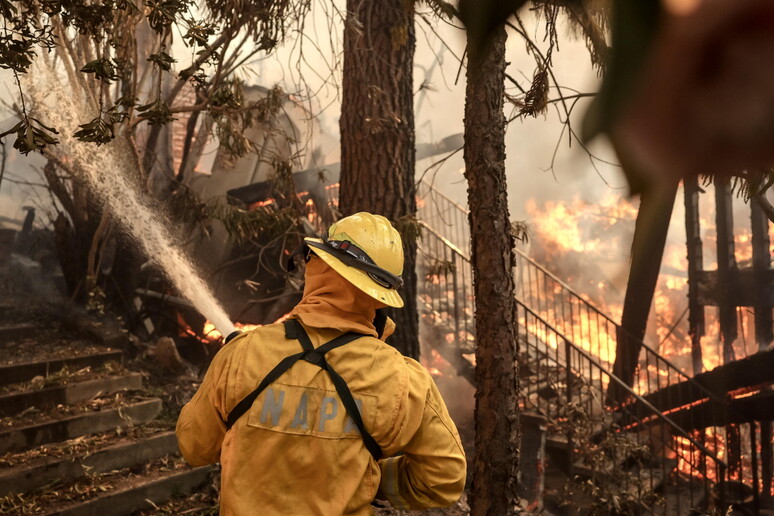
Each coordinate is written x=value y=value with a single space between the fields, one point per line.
x=106 y=168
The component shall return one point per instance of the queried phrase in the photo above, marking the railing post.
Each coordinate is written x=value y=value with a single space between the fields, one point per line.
x=532 y=460
x=722 y=486
x=568 y=379
x=755 y=479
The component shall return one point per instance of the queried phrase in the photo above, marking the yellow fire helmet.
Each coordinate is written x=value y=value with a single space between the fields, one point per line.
x=368 y=252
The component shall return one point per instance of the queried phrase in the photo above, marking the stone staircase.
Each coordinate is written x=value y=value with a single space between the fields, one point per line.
x=81 y=430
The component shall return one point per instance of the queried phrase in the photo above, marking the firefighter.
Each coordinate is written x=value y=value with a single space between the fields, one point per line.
x=317 y=415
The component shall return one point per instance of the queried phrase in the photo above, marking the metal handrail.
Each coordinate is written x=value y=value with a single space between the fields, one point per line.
x=453 y=248
x=443 y=196
x=451 y=218
x=623 y=385
x=599 y=312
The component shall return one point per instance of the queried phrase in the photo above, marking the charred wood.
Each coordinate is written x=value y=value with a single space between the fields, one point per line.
x=759 y=407
x=747 y=287
x=724 y=220
x=767 y=459
x=752 y=371
x=450 y=352
x=695 y=265
x=650 y=234
x=764 y=279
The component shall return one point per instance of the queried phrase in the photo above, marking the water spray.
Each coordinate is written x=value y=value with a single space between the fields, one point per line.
x=106 y=170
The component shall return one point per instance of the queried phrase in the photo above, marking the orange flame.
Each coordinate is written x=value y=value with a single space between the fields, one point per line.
x=212 y=334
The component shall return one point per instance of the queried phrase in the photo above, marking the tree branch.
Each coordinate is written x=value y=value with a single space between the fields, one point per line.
x=761 y=200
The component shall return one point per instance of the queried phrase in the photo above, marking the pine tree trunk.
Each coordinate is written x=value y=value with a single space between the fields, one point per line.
x=377 y=134
x=497 y=381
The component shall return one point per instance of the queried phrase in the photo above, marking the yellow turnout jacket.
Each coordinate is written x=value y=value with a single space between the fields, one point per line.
x=296 y=451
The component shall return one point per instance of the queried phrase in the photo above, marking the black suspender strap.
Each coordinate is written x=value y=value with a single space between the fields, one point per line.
x=316 y=356
x=349 y=403
x=244 y=405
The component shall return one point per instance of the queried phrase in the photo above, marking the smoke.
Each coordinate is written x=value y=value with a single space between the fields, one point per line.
x=106 y=170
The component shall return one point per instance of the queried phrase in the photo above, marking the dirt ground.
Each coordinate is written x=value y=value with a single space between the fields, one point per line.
x=204 y=503
x=458 y=509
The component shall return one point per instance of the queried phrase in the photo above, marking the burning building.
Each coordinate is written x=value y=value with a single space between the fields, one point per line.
x=705 y=435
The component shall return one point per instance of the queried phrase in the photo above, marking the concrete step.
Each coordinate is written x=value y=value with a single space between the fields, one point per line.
x=124 y=454
x=12 y=404
x=12 y=332
x=148 y=494
x=26 y=437
x=556 y=441
x=16 y=373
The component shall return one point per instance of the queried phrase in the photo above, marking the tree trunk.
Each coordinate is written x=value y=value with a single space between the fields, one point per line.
x=497 y=417
x=650 y=233
x=74 y=229
x=377 y=134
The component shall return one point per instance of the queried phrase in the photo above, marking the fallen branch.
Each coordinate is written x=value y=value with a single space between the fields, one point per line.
x=164 y=297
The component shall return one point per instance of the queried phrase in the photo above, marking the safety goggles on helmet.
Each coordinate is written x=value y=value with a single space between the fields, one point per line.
x=349 y=254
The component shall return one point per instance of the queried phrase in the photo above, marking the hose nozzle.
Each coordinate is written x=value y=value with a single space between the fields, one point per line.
x=232 y=336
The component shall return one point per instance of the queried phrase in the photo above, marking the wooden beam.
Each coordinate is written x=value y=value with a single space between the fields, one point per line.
x=759 y=407
x=764 y=326
x=724 y=221
x=757 y=369
x=767 y=464
x=748 y=288
x=695 y=265
x=317 y=178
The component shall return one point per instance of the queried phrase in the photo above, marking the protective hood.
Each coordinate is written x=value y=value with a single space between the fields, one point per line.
x=332 y=302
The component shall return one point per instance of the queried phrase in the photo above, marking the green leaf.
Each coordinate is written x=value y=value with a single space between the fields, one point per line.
x=96 y=131
x=198 y=33
x=30 y=138
x=44 y=126
x=103 y=69
x=128 y=6
x=13 y=129
x=156 y=112
x=162 y=60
